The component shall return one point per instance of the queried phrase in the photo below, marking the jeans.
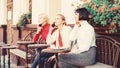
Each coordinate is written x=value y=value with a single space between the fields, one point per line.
x=43 y=57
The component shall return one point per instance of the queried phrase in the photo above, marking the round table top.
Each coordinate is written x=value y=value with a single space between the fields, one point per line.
x=38 y=45
x=56 y=50
x=1 y=45
x=8 y=47
x=25 y=42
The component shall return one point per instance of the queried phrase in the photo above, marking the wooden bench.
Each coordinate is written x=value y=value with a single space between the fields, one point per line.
x=108 y=53
x=20 y=53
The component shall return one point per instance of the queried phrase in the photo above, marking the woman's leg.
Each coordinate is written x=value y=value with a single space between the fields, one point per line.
x=66 y=65
x=46 y=55
x=35 y=62
x=42 y=60
x=79 y=59
x=43 y=57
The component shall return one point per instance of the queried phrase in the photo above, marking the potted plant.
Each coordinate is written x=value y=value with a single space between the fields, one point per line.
x=24 y=19
x=105 y=13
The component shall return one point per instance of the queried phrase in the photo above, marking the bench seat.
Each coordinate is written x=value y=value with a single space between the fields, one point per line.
x=19 y=53
x=108 y=51
x=99 y=65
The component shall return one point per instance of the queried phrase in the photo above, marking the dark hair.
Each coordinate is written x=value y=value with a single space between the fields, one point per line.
x=83 y=14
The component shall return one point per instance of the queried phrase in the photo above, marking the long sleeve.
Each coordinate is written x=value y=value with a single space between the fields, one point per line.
x=65 y=37
x=74 y=33
x=36 y=37
x=85 y=38
x=51 y=37
x=43 y=33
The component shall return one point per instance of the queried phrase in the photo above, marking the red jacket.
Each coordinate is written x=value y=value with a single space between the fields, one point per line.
x=44 y=32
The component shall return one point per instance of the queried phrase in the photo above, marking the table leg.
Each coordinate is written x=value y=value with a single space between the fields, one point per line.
x=39 y=51
x=26 y=56
x=0 y=57
x=8 y=58
x=3 y=59
x=57 y=60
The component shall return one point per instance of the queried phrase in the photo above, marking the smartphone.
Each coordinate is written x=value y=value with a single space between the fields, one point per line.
x=40 y=25
x=53 y=25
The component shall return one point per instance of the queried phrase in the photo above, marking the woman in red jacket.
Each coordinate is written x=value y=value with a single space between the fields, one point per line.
x=42 y=28
x=42 y=31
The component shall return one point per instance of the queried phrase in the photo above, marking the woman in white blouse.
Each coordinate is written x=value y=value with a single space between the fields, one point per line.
x=84 y=49
x=60 y=36
x=63 y=30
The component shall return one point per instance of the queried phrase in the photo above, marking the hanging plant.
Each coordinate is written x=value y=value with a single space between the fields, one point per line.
x=105 y=13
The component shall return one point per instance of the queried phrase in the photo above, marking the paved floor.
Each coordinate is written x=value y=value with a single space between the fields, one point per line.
x=12 y=65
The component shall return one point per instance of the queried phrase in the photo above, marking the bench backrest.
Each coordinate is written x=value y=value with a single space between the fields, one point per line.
x=108 y=50
x=30 y=35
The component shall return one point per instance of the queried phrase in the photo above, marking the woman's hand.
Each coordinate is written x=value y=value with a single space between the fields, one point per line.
x=78 y=24
x=52 y=46
x=38 y=29
x=51 y=29
x=51 y=58
x=77 y=19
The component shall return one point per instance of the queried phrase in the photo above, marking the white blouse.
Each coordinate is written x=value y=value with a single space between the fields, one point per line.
x=84 y=35
x=65 y=33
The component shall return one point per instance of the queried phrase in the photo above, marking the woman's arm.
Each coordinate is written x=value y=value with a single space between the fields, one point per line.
x=51 y=37
x=36 y=36
x=86 y=38
x=65 y=37
x=74 y=33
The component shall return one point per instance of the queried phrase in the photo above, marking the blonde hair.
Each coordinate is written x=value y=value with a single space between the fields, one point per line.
x=63 y=18
x=45 y=16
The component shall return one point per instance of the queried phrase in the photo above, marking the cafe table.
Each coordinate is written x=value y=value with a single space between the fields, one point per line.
x=39 y=47
x=7 y=48
x=25 y=43
x=56 y=52
x=1 y=45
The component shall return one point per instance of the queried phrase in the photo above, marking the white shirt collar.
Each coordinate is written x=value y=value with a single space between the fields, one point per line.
x=83 y=23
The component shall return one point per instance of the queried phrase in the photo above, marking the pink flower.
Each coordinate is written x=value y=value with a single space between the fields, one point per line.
x=93 y=6
x=72 y=5
x=114 y=8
